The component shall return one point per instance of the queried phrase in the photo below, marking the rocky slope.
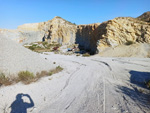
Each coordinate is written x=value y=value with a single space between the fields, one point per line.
x=122 y=30
x=22 y=36
x=92 y=37
x=145 y=16
x=56 y=30
x=140 y=50
x=15 y=58
x=113 y=33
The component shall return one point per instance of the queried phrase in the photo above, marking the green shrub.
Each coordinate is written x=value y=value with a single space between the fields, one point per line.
x=50 y=73
x=44 y=43
x=42 y=74
x=148 y=84
x=4 y=80
x=34 y=45
x=2 y=76
x=26 y=77
x=129 y=43
x=56 y=70
x=86 y=55
x=32 y=48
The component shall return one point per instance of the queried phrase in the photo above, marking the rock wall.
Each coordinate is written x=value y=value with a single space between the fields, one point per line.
x=124 y=29
x=61 y=31
x=121 y=30
x=57 y=30
x=92 y=37
x=87 y=36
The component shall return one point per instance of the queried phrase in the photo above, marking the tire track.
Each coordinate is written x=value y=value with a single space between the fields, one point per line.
x=68 y=80
x=106 y=64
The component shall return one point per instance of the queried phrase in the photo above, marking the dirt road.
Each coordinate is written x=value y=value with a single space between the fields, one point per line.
x=87 y=85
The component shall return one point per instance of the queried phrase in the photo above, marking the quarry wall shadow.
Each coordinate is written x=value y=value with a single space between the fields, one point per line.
x=87 y=37
x=140 y=96
x=19 y=106
x=139 y=78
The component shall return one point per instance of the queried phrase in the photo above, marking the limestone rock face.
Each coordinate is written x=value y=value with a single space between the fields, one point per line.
x=56 y=30
x=124 y=29
x=60 y=31
x=91 y=37
x=88 y=36
x=121 y=30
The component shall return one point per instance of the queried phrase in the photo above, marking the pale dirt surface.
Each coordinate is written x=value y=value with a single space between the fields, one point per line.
x=140 y=50
x=86 y=85
x=15 y=58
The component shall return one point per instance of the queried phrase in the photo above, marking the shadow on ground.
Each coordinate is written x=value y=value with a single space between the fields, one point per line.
x=19 y=106
x=139 y=78
x=140 y=94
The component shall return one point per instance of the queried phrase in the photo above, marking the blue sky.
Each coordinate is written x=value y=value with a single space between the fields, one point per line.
x=18 y=12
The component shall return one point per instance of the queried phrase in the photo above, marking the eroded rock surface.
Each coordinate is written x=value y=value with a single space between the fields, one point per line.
x=92 y=37
x=124 y=29
x=88 y=35
x=56 y=30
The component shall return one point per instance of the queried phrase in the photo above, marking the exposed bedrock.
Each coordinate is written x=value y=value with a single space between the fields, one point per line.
x=87 y=36
x=91 y=37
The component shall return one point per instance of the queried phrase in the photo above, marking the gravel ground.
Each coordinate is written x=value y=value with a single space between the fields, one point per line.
x=86 y=85
x=140 y=50
x=15 y=58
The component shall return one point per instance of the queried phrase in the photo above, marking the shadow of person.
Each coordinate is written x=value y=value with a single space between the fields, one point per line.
x=19 y=106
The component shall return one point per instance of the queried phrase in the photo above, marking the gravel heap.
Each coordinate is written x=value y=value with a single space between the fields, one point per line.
x=15 y=58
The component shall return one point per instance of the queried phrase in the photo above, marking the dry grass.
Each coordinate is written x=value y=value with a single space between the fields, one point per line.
x=27 y=77
x=4 y=80
x=43 y=47
x=86 y=55
x=42 y=74
x=58 y=69
x=48 y=73
x=77 y=54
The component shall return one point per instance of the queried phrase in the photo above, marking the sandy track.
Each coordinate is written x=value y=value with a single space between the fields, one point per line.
x=87 y=85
